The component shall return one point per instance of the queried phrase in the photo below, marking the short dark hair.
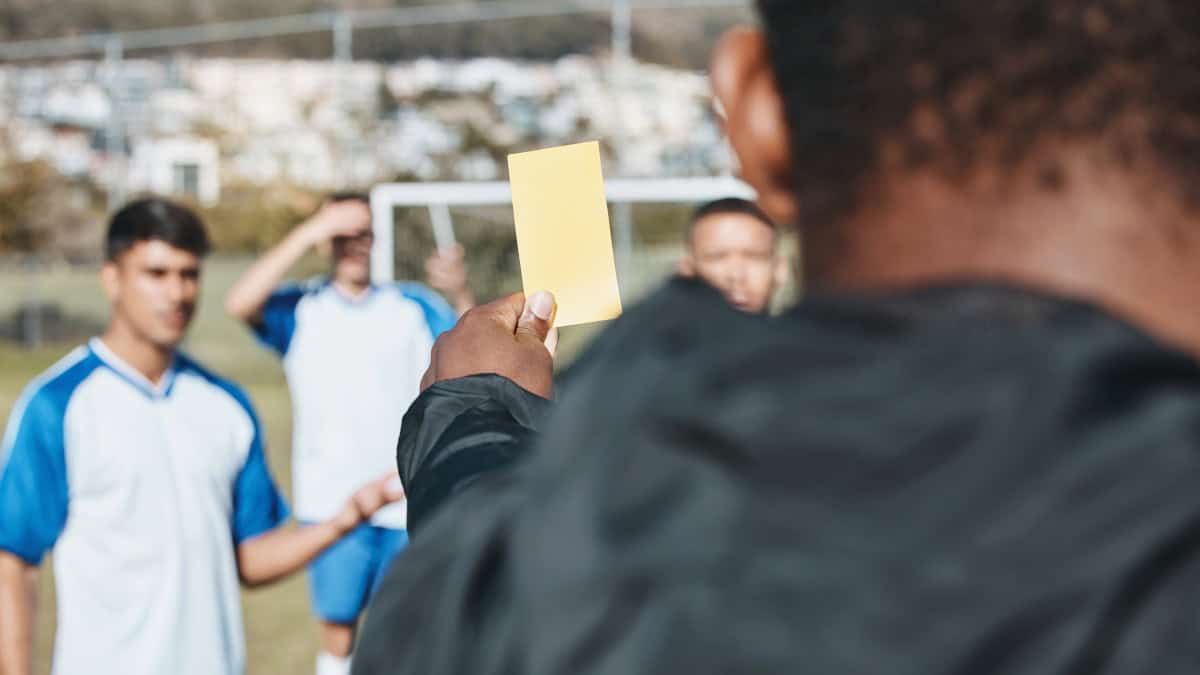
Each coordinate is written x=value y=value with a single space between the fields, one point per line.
x=155 y=219
x=728 y=205
x=954 y=85
x=350 y=197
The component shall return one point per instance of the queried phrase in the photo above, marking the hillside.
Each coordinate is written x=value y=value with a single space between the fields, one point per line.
x=680 y=38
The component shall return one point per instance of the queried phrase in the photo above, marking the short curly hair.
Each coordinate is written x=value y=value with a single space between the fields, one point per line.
x=951 y=84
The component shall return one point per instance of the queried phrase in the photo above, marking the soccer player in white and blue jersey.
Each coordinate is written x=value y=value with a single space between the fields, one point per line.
x=354 y=354
x=146 y=476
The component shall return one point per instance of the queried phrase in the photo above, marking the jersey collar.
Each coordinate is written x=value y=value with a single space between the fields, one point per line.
x=131 y=375
x=352 y=301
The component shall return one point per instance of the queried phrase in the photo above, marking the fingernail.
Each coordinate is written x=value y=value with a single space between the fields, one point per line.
x=542 y=305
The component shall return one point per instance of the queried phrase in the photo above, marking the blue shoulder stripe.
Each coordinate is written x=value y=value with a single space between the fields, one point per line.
x=439 y=315
x=278 y=322
x=58 y=383
x=34 y=494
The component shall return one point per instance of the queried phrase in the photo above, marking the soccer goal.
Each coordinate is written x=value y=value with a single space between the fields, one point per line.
x=440 y=198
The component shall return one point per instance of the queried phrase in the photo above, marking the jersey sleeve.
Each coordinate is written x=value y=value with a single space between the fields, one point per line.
x=257 y=505
x=33 y=478
x=278 y=322
x=439 y=315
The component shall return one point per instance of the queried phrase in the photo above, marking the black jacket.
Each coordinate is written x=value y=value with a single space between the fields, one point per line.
x=955 y=480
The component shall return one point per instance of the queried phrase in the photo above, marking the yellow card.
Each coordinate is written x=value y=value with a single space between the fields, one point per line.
x=563 y=235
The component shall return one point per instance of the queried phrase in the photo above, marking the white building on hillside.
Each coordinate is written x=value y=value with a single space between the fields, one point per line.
x=180 y=167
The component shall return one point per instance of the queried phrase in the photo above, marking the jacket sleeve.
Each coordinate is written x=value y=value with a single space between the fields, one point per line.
x=467 y=433
x=502 y=495
x=457 y=432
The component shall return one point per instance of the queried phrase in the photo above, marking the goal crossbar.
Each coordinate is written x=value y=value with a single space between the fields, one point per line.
x=439 y=197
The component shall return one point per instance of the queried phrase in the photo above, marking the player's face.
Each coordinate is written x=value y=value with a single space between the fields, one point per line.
x=154 y=288
x=352 y=258
x=736 y=253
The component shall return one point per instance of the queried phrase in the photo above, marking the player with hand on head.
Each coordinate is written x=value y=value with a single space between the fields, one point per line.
x=353 y=352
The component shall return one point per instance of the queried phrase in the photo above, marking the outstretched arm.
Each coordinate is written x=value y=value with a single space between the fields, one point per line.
x=281 y=552
x=447 y=272
x=18 y=605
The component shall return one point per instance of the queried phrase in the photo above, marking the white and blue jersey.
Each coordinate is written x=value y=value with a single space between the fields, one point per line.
x=143 y=492
x=353 y=365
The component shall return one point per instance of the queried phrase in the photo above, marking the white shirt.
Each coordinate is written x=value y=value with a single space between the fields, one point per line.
x=143 y=492
x=353 y=368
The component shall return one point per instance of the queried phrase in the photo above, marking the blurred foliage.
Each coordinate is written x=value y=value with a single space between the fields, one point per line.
x=41 y=209
x=660 y=224
x=250 y=218
x=43 y=212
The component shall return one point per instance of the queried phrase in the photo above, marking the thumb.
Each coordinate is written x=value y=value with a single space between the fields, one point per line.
x=538 y=317
x=394 y=489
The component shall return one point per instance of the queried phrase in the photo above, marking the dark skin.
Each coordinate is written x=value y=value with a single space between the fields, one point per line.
x=1112 y=235
x=507 y=337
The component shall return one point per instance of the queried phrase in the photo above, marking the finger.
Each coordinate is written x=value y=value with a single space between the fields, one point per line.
x=370 y=503
x=506 y=311
x=360 y=210
x=552 y=341
x=394 y=491
x=446 y=258
x=430 y=375
x=538 y=316
x=349 y=230
x=359 y=500
x=376 y=495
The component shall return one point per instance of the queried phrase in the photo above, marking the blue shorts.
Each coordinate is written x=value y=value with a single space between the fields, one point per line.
x=344 y=577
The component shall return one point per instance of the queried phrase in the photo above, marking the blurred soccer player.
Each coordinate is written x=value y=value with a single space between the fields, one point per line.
x=146 y=475
x=354 y=353
x=734 y=246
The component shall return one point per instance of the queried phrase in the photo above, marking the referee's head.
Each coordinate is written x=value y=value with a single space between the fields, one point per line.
x=1049 y=144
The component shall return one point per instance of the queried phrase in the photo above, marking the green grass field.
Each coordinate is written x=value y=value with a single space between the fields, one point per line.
x=281 y=636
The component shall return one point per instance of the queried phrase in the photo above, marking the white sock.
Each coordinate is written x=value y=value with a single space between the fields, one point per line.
x=328 y=664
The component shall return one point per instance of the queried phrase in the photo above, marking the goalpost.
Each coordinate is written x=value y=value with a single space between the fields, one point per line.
x=439 y=197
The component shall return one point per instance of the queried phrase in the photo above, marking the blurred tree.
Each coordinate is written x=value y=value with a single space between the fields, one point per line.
x=42 y=211
x=249 y=218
